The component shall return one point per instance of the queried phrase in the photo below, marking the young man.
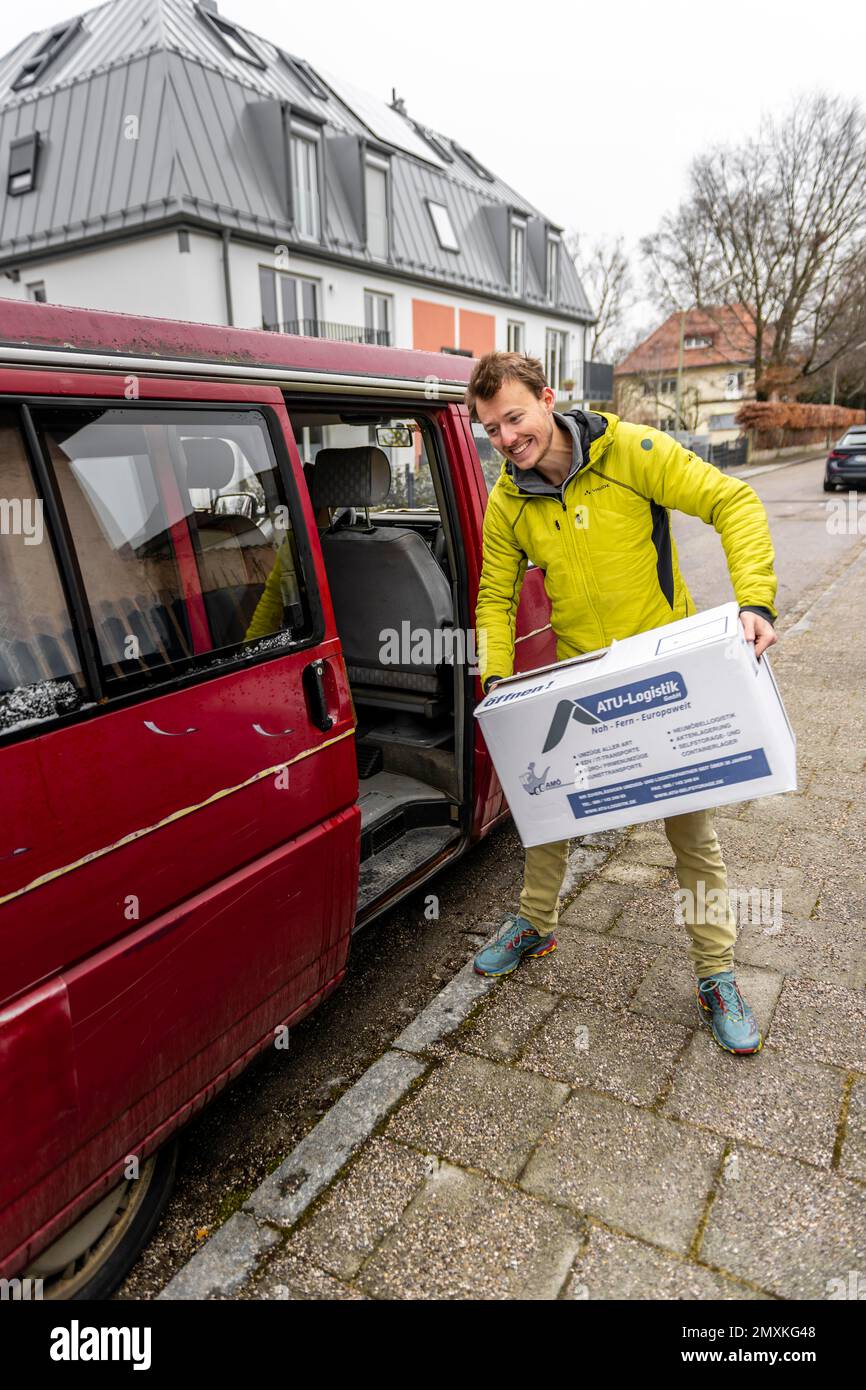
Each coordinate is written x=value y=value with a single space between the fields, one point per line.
x=587 y=497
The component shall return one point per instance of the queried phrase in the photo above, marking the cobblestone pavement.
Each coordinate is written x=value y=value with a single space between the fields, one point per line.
x=573 y=1131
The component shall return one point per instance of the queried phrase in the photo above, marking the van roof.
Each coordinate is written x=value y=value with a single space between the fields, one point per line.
x=31 y=333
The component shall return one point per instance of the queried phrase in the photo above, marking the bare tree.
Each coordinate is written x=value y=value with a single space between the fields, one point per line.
x=604 y=269
x=781 y=220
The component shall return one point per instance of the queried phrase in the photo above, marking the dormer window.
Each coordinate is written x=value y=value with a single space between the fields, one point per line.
x=230 y=35
x=23 y=156
x=552 y=287
x=51 y=46
x=698 y=340
x=376 y=203
x=518 y=256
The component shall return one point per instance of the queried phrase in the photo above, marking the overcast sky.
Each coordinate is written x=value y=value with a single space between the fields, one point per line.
x=593 y=112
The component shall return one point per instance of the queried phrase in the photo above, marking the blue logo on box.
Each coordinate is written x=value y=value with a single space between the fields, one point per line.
x=615 y=703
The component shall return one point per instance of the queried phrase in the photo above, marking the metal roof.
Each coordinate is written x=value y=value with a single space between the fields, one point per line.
x=199 y=153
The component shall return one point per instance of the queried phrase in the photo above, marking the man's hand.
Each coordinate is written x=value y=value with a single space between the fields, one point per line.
x=759 y=631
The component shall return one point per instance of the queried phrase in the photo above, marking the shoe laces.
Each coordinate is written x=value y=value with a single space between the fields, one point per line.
x=510 y=929
x=729 y=993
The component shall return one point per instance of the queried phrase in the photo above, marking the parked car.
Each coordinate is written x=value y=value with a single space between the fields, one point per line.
x=846 y=462
x=212 y=776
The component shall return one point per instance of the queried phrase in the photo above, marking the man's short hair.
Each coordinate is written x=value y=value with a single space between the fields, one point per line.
x=495 y=368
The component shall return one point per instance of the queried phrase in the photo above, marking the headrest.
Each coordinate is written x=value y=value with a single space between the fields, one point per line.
x=210 y=463
x=358 y=477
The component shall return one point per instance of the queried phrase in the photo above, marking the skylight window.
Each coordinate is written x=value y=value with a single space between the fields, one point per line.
x=301 y=69
x=231 y=37
x=475 y=165
x=443 y=226
x=49 y=49
x=435 y=142
x=23 y=154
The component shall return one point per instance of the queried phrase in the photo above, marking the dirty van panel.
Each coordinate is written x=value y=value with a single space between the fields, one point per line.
x=184 y=802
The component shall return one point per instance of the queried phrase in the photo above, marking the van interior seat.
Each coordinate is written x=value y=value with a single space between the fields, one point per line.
x=381 y=577
x=235 y=556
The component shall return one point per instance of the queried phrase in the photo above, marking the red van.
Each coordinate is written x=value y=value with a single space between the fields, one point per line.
x=238 y=574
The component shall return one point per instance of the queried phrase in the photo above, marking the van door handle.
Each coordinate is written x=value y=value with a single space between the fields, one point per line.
x=314 y=688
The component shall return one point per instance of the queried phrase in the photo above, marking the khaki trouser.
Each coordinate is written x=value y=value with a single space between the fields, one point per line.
x=698 y=857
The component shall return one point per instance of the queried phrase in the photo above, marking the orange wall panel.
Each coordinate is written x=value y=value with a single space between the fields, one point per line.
x=477 y=332
x=432 y=325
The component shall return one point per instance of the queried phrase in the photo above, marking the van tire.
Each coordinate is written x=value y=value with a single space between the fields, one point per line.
x=102 y=1271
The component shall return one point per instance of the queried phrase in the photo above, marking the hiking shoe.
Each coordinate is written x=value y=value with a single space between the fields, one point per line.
x=723 y=1007
x=515 y=939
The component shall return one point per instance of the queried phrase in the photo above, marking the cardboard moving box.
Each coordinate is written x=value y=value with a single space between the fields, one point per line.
x=680 y=718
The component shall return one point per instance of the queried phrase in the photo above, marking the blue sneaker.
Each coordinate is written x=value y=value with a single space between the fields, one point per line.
x=723 y=1007
x=515 y=939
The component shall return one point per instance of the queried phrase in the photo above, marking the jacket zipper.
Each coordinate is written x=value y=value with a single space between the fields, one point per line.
x=577 y=561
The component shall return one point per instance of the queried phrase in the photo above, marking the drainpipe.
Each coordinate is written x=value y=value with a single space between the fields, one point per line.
x=227 y=279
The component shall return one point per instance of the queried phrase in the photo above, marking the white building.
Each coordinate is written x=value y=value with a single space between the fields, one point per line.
x=158 y=158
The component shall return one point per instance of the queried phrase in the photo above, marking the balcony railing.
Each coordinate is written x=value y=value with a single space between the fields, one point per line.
x=336 y=332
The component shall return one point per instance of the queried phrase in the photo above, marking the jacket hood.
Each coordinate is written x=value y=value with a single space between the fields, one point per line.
x=591 y=432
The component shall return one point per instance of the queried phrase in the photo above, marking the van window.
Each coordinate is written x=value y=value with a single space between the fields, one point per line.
x=402 y=438
x=490 y=459
x=40 y=671
x=183 y=538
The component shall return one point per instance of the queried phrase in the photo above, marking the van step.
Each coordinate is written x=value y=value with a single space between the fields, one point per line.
x=399 y=859
x=369 y=757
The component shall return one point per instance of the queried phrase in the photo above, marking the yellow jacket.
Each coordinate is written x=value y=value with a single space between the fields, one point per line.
x=604 y=541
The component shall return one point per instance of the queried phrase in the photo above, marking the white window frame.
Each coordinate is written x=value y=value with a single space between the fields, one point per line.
x=553 y=262
x=306 y=177
x=555 y=354
x=516 y=335
x=735 y=386
x=517 y=262
x=376 y=301
x=380 y=166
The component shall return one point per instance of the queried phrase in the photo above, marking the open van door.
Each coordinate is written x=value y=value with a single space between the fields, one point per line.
x=179 y=834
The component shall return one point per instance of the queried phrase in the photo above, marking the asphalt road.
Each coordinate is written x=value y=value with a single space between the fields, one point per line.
x=402 y=961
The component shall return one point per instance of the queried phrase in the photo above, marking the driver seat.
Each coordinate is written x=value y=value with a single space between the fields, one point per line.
x=382 y=578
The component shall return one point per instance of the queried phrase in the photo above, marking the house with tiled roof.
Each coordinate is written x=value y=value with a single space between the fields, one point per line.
x=715 y=347
x=160 y=158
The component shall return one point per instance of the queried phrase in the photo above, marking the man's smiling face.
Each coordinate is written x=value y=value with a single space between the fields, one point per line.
x=518 y=423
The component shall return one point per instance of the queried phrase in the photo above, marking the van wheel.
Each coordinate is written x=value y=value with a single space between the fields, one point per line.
x=90 y=1259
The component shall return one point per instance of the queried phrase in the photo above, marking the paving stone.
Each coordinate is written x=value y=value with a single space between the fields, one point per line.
x=832 y=952
x=623 y=871
x=787 y=1227
x=588 y=1044
x=631 y=1168
x=479 y=1113
x=799 y=889
x=651 y=918
x=668 y=990
x=743 y=839
x=467 y=1237
x=852 y=1161
x=290 y=1277
x=843 y=900
x=647 y=847
x=361 y=1207
x=796 y=808
x=591 y=967
x=821 y=1021
x=774 y=1102
x=503 y=1026
x=596 y=906
x=617 y=1267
